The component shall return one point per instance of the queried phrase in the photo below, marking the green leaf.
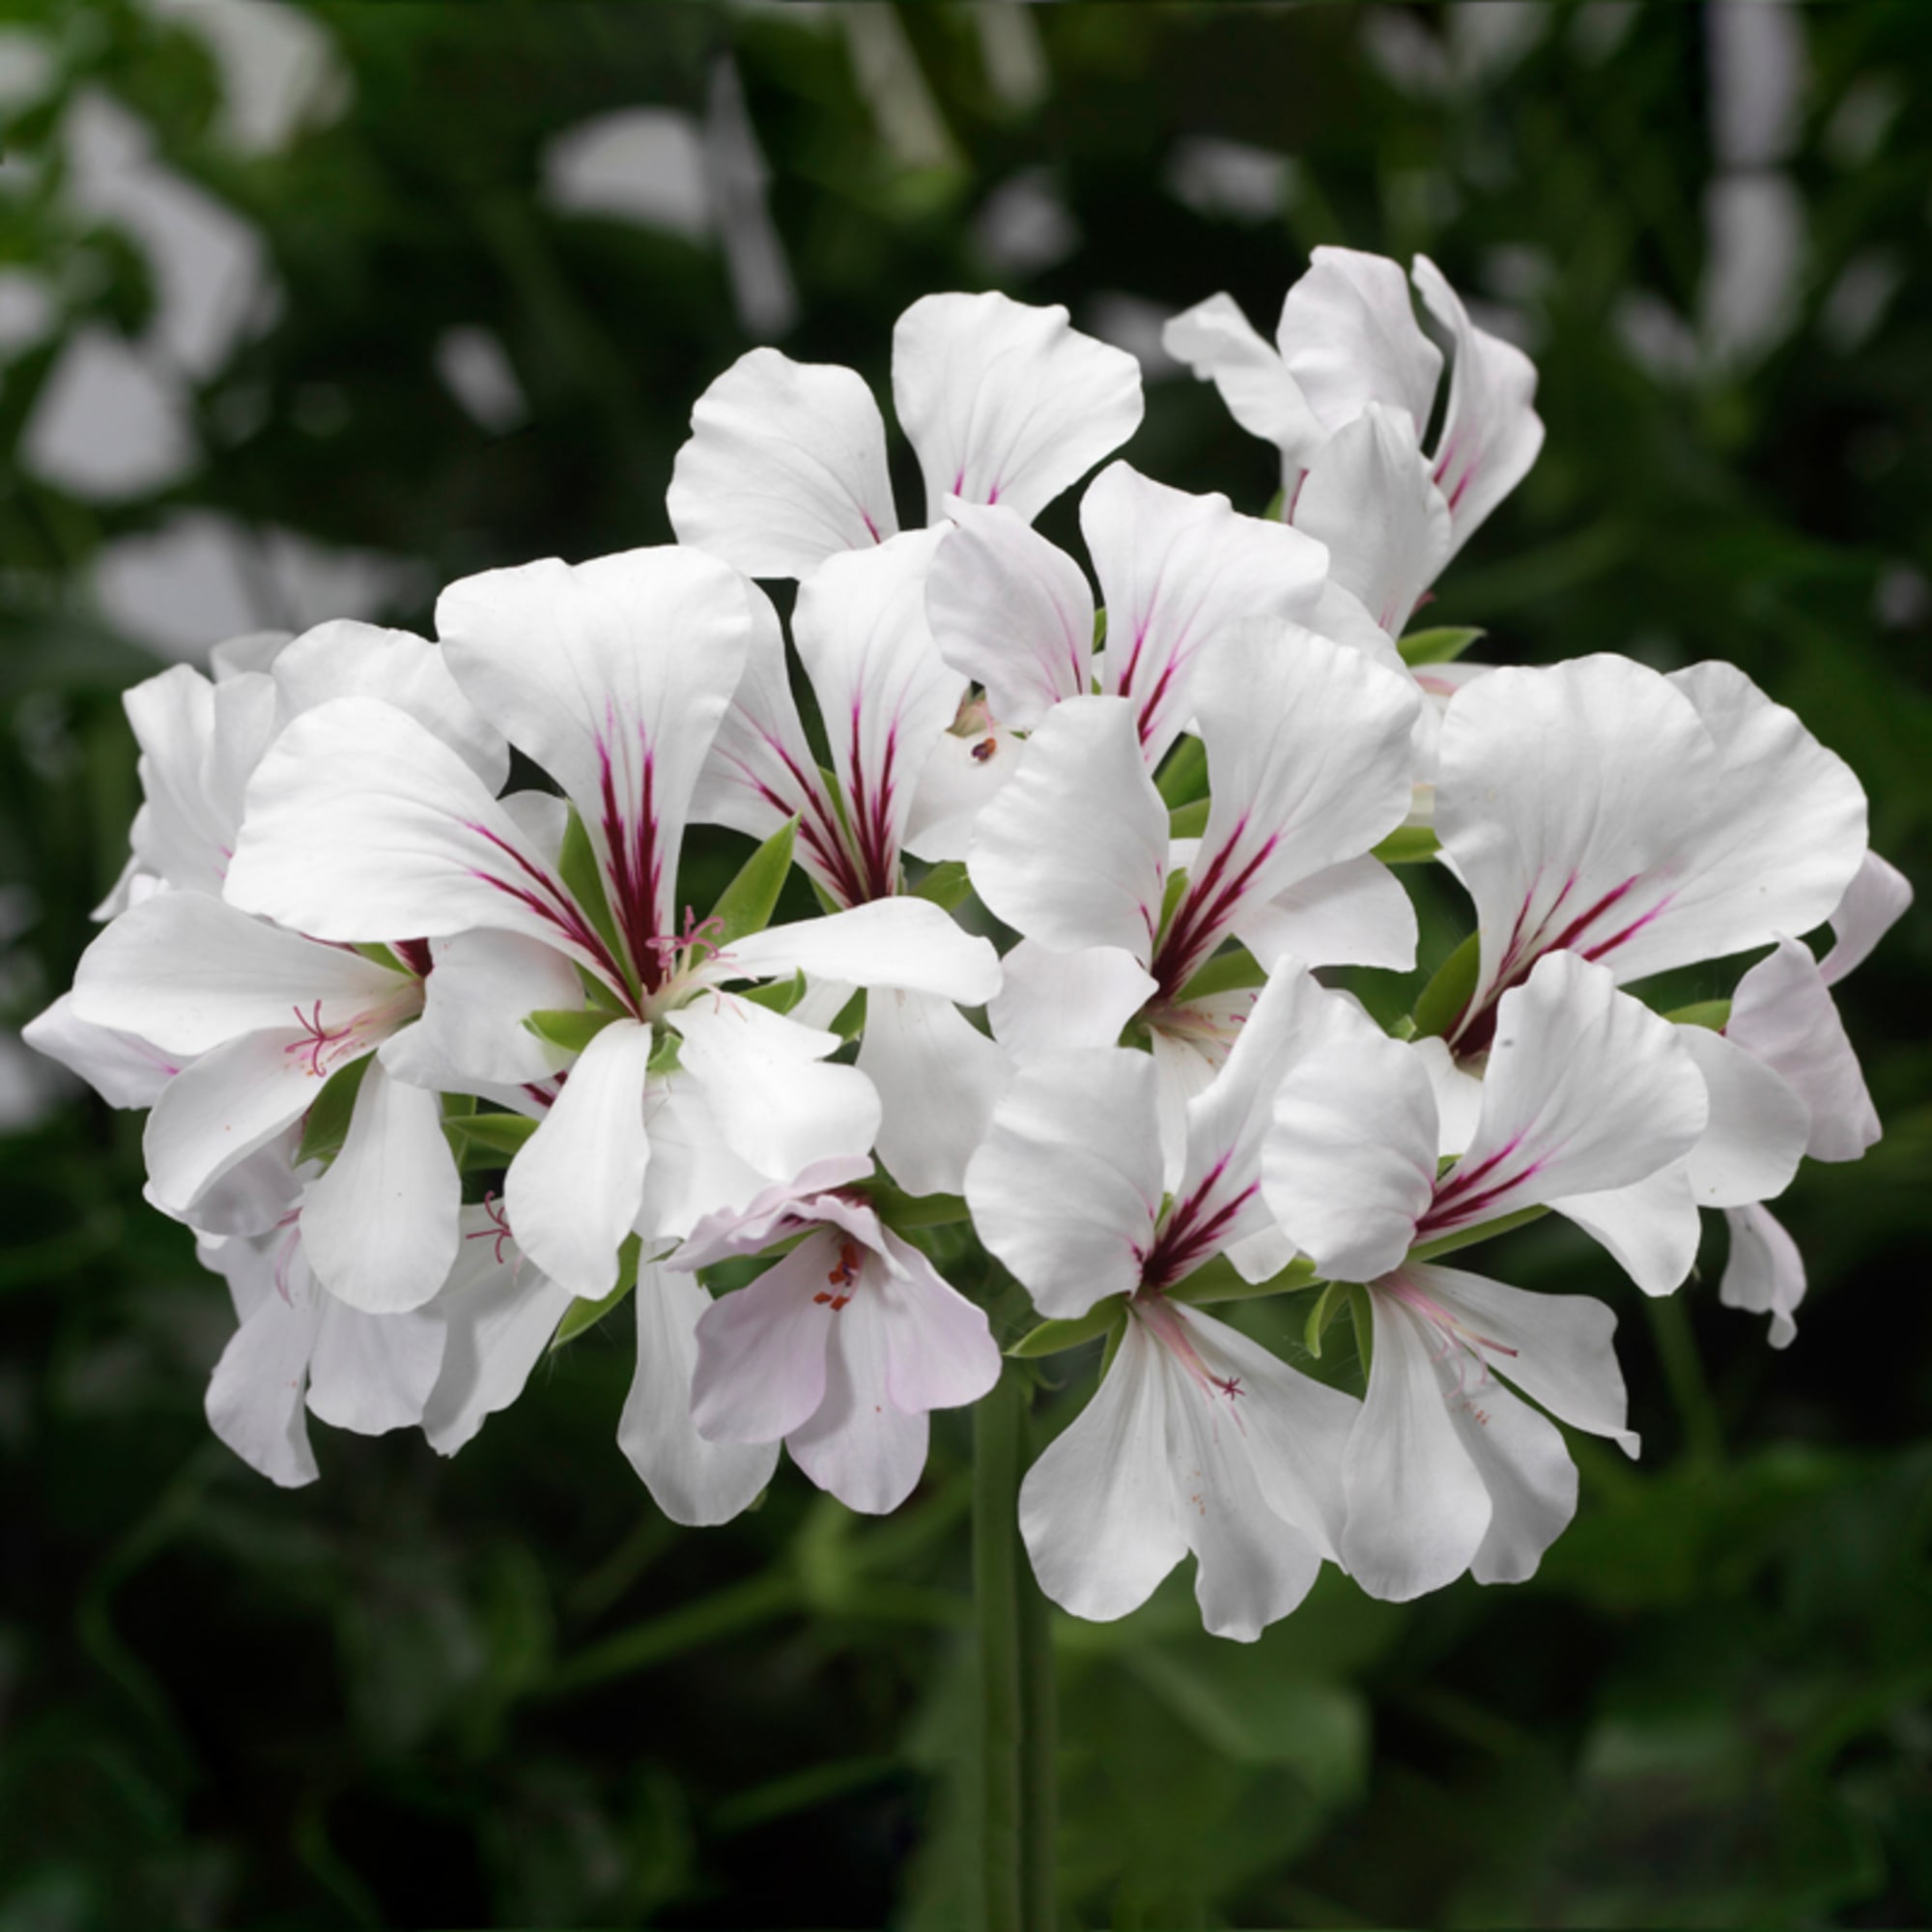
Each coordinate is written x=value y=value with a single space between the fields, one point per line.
x=746 y=905
x=1465 y=1237
x=583 y=878
x=1442 y=1001
x=898 y=1208
x=1716 y=1014
x=1408 y=846
x=381 y=955
x=582 y=1315
x=946 y=885
x=779 y=995
x=327 y=1124
x=1104 y=1317
x=850 y=1021
x=1327 y=1305
x=1440 y=646
x=498 y=1133
x=1183 y=776
x=1225 y=972
x=1188 y=821
x=1362 y=1313
x=572 y=1027
x=1219 y=1280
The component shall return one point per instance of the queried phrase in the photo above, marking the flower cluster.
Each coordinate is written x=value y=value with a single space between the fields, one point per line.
x=439 y=1071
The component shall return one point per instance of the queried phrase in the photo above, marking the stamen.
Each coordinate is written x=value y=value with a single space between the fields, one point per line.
x=317 y=1038
x=500 y=1232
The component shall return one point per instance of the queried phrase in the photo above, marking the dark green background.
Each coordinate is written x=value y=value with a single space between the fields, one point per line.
x=503 y=1691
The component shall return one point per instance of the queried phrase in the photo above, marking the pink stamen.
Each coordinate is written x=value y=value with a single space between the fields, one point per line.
x=317 y=1038
x=499 y=1232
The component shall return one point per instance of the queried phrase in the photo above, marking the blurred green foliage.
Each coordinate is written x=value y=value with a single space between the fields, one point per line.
x=503 y=1690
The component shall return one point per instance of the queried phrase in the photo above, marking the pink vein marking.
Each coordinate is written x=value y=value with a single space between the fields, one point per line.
x=871 y=816
x=548 y=901
x=1193 y=1234
x=1205 y=913
x=635 y=865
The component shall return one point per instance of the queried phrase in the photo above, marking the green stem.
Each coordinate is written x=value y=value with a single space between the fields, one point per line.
x=1683 y=1371
x=1016 y=1784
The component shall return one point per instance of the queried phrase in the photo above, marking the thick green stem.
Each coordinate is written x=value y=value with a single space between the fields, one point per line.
x=1015 y=1678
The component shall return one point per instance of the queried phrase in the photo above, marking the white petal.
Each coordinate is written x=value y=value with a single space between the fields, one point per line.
x=1176 y=574
x=784 y=1208
x=761 y=1349
x=907 y=943
x=1005 y=403
x=777 y=1106
x=1651 y=1227
x=1221 y=345
x=1349 y=1164
x=1067 y=1187
x=576 y=1185
x=381 y=1225
x=1783 y=1014
x=373 y=1373
x=938 y=1077
x=939 y=1351
x=1308 y=746
x=498 y=1313
x=1874 y=902
x=785 y=466
x=188 y=973
x=1368 y=498
x=342 y=659
x=695 y=1482
x=1758 y=1125
x=1098 y=1511
x=1074 y=852
x=1459 y=1097
x=1417 y=1506
x=1012 y=612
x=614 y=675
x=1349 y=337
x=254 y=1401
x=1355 y=914
x=1050 y=1000
x=885 y=693
x=250 y=1198
x=481 y=987
x=121 y=1067
x=1532 y=1483
x=956 y=783
x=1764 y=1273
x=859 y=1444
x=215 y=1113
x=1491 y=432
x=694 y=1171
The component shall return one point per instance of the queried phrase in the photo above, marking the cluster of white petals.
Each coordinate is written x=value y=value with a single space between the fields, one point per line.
x=437 y=1072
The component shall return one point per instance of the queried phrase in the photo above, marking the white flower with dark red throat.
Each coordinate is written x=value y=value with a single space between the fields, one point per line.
x=842 y=1347
x=1639 y=820
x=1002 y=404
x=1346 y=392
x=1307 y=746
x=1588 y=1099
x=1199 y=1439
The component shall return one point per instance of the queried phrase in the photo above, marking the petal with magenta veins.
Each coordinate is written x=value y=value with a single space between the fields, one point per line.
x=1177 y=573
x=1067 y=1186
x=1764 y=1273
x=1005 y=403
x=1368 y=498
x=1490 y=431
x=1012 y=612
x=785 y=466
x=1074 y=852
x=575 y=1186
x=1349 y=337
x=884 y=693
x=614 y=675
x=381 y=1224
x=1190 y=1045
x=695 y=1482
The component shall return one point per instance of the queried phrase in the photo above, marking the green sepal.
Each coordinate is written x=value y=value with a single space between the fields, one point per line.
x=1408 y=846
x=325 y=1127
x=1170 y=901
x=1226 y=972
x=1188 y=821
x=1440 y=646
x=582 y=1315
x=1276 y=504
x=1219 y=1280
x=1714 y=1015
x=1327 y=1305
x=1104 y=1317
x=1402 y=1028
x=779 y=995
x=664 y=1058
x=850 y=1021
x=1442 y=1001
x=583 y=878
x=1183 y=776
x=572 y=1027
x=381 y=955
x=1362 y=1313
x=1465 y=1237
x=1113 y=1348
x=1100 y=627
x=747 y=904
x=946 y=885
x=898 y=1208
x=496 y=1133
